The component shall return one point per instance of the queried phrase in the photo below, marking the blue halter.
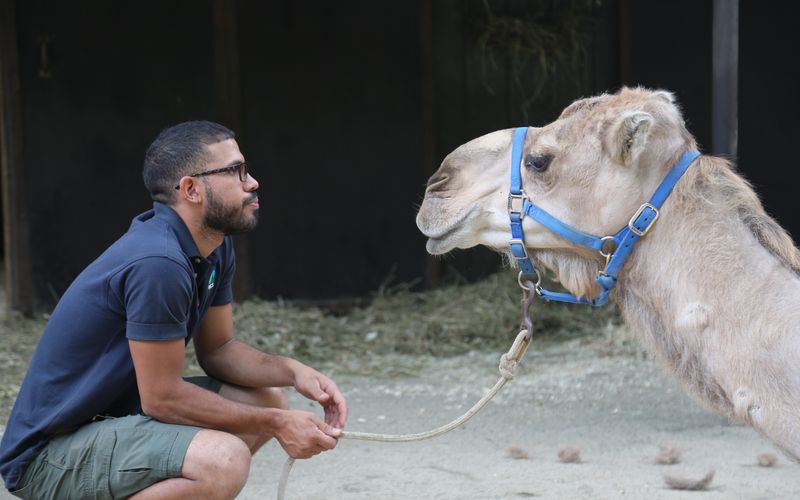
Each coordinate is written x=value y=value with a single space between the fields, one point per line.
x=623 y=241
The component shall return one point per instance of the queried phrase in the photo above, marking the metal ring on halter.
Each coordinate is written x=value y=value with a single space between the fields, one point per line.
x=602 y=246
x=535 y=285
x=607 y=255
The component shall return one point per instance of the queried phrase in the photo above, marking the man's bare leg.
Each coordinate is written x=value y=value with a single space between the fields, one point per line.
x=216 y=466
x=217 y=463
x=265 y=397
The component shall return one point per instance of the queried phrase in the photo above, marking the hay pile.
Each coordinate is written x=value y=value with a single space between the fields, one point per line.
x=394 y=334
x=448 y=321
x=19 y=337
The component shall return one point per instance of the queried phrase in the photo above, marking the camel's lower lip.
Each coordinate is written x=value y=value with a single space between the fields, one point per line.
x=439 y=241
x=442 y=239
x=437 y=246
x=443 y=232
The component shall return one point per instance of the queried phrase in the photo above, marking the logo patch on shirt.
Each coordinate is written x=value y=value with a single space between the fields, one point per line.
x=211 y=279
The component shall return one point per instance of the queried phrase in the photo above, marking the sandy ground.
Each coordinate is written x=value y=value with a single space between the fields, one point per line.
x=616 y=408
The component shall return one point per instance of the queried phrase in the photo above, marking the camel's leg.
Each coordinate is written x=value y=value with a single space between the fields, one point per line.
x=775 y=419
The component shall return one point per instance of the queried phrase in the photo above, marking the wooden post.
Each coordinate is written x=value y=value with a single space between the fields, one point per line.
x=725 y=92
x=433 y=267
x=228 y=107
x=18 y=283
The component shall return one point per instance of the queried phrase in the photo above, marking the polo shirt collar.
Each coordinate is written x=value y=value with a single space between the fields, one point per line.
x=185 y=240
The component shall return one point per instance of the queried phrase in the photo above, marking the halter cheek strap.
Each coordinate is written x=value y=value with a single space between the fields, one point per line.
x=622 y=242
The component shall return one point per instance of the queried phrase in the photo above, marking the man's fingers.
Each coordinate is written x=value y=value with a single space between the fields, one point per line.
x=336 y=411
x=341 y=410
x=327 y=442
x=335 y=407
x=329 y=430
x=308 y=435
x=334 y=417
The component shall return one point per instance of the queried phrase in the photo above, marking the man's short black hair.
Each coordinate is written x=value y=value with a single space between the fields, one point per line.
x=178 y=151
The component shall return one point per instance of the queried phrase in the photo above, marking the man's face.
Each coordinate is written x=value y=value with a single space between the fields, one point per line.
x=231 y=205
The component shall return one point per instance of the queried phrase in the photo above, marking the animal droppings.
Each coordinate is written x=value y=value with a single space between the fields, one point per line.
x=569 y=455
x=518 y=453
x=669 y=455
x=681 y=483
x=767 y=459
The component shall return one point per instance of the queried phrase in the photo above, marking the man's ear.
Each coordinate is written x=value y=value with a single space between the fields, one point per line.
x=629 y=136
x=190 y=190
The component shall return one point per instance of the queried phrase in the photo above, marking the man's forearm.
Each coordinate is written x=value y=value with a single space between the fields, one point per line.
x=188 y=404
x=240 y=364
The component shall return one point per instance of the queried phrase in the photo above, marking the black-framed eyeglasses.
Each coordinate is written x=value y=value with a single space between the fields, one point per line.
x=241 y=168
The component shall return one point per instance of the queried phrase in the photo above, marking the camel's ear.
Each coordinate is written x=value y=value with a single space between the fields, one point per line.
x=666 y=95
x=630 y=135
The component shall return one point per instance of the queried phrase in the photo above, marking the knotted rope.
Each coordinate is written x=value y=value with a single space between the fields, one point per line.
x=508 y=370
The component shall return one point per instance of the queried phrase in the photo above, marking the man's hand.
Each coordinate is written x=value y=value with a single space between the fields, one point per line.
x=303 y=435
x=317 y=387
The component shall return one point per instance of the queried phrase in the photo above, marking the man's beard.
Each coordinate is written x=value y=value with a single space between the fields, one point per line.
x=229 y=220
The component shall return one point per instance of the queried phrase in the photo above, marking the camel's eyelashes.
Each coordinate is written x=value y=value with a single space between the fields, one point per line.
x=537 y=162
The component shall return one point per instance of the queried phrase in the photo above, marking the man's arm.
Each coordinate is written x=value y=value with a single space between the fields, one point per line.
x=227 y=359
x=165 y=396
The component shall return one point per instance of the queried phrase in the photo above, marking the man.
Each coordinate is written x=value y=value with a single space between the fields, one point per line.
x=103 y=411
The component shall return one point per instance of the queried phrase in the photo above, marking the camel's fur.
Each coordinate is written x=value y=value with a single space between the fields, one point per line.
x=713 y=287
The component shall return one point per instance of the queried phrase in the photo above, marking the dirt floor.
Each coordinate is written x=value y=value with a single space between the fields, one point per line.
x=617 y=409
x=598 y=393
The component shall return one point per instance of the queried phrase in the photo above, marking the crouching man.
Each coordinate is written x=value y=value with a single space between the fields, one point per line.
x=104 y=411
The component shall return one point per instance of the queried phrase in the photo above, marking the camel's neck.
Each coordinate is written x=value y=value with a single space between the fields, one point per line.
x=687 y=257
x=703 y=267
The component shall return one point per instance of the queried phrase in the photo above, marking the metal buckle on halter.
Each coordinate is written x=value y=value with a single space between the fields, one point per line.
x=520 y=198
x=517 y=241
x=642 y=232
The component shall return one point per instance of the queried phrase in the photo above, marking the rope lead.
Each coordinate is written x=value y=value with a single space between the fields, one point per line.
x=508 y=370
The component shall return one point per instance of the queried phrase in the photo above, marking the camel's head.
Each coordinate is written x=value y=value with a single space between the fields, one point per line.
x=591 y=168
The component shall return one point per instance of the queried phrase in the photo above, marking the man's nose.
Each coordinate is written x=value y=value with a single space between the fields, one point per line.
x=251 y=184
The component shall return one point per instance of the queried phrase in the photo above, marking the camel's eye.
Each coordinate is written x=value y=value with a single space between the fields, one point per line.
x=537 y=162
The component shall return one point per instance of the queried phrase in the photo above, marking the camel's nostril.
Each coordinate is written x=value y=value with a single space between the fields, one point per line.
x=437 y=182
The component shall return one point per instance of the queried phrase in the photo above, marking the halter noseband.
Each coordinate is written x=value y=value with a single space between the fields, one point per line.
x=623 y=241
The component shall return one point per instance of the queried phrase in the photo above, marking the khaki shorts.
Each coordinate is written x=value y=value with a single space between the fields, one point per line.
x=110 y=458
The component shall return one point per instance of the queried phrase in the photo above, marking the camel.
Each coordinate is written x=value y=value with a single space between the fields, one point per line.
x=712 y=288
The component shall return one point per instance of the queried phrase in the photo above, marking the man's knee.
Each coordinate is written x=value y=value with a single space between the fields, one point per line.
x=275 y=398
x=221 y=459
x=266 y=397
x=270 y=397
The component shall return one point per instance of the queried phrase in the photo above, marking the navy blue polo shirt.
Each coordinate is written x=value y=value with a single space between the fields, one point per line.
x=151 y=284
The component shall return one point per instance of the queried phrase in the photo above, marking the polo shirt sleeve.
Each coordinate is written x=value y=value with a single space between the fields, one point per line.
x=157 y=294
x=224 y=294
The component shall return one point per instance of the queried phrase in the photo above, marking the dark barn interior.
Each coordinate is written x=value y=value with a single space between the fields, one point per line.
x=343 y=110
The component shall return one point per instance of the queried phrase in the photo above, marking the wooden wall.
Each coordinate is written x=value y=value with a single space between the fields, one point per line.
x=343 y=109
x=110 y=77
x=672 y=48
x=768 y=106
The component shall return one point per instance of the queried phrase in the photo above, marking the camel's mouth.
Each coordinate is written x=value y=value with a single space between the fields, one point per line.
x=441 y=237
x=442 y=241
x=437 y=246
